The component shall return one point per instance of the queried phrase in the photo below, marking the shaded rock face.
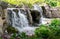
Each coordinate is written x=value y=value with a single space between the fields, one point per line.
x=9 y=17
x=1 y=25
x=35 y=16
x=3 y=15
x=29 y=16
x=1 y=21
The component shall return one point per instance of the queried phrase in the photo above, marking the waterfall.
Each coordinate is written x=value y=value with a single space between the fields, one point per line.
x=43 y=20
x=39 y=9
x=20 y=22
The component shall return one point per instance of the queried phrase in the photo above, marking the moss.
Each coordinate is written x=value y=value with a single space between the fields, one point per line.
x=11 y=29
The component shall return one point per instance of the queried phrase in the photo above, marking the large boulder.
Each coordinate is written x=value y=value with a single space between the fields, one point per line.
x=46 y=11
x=55 y=12
x=3 y=17
x=50 y=12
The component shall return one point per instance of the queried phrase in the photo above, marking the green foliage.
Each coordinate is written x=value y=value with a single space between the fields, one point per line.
x=51 y=31
x=21 y=35
x=0 y=38
x=11 y=29
x=24 y=2
x=55 y=28
x=55 y=22
x=30 y=3
x=43 y=31
x=53 y=3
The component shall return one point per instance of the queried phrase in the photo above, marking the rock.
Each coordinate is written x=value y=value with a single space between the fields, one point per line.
x=30 y=17
x=15 y=10
x=55 y=12
x=26 y=8
x=3 y=20
x=46 y=11
x=9 y=17
x=4 y=14
x=1 y=25
x=5 y=36
x=23 y=11
x=35 y=16
x=50 y=12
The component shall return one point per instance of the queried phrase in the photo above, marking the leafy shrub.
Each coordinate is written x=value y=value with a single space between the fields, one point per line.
x=0 y=38
x=51 y=31
x=11 y=29
x=55 y=22
x=19 y=36
x=52 y=3
x=43 y=31
x=55 y=28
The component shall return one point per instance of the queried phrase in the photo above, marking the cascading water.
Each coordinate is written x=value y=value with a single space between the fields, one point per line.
x=20 y=22
x=39 y=9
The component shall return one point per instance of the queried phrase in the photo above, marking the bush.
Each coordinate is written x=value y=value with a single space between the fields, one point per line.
x=43 y=31
x=51 y=31
x=11 y=30
x=53 y=3
x=55 y=28
x=18 y=36
x=55 y=22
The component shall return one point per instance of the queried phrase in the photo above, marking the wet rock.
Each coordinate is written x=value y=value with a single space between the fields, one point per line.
x=15 y=10
x=35 y=16
x=30 y=17
x=9 y=17
x=26 y=8
x=23 y=11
